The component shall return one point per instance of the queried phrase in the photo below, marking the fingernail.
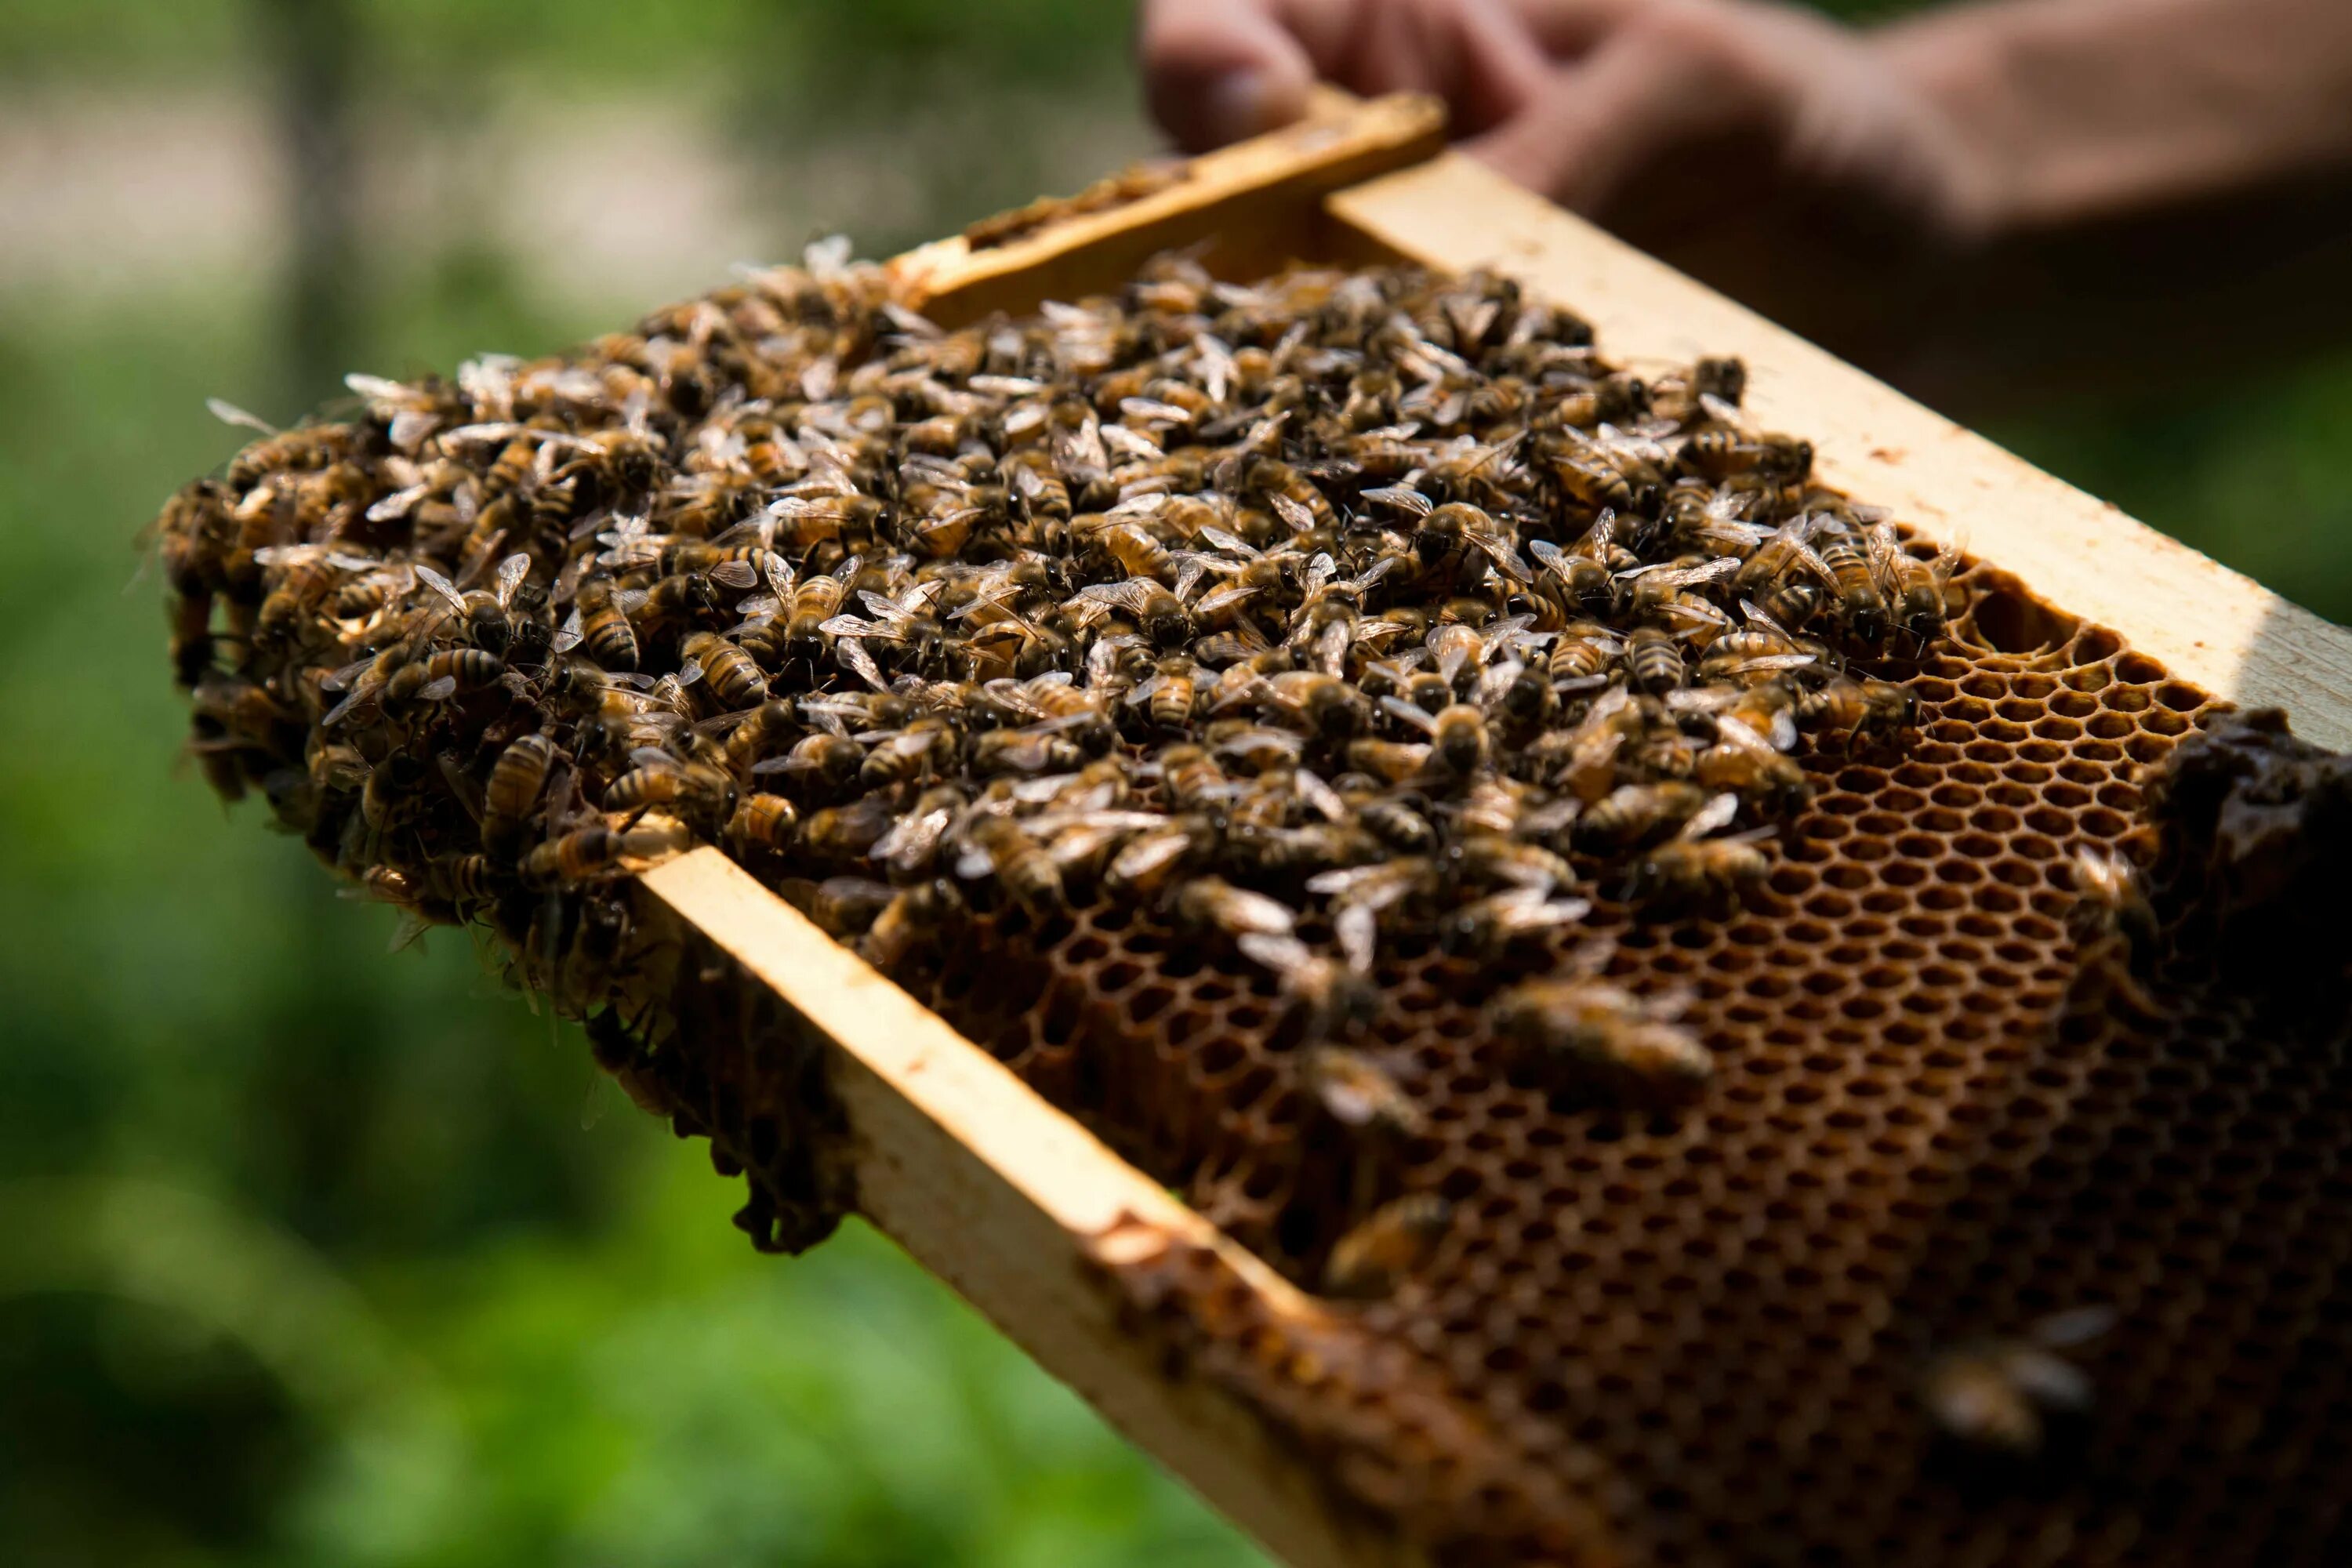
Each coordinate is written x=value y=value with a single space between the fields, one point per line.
x=1238 y=105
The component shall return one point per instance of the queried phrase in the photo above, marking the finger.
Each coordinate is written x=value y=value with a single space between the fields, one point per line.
x=1476 y=55
x=1652 y=85
x=1504 y=68
x=1568 y=29
x=1216 y=71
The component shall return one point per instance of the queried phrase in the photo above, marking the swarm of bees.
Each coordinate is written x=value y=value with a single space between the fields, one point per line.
x=1309 y=615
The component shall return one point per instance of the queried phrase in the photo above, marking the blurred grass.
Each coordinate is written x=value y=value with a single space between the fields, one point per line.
x=304 y=1253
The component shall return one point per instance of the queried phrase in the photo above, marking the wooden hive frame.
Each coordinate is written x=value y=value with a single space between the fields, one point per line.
x=1007 y=1198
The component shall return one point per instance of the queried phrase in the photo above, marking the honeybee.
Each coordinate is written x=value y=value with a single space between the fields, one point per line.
x=1690 y=870
x=1334 y=998
x=996 y=847
x=919 y=915
x=734 y=678
x=1720 y=452
x=1317 y=703
x=1486 y=927
x=818 y=765
x=1584 y=474
x=1171 y=693
x=598 y=851
x=763 y=821
x=1398 y=1240
x=2003 y=1397
x=815 y=600
x=1596 y=1037
x=1633 y=814
x=848 y=905
x=1914 y=589
x=1291 y=494
x=702 y=795
x=601 y=628
x=1215 y=904
x=905 y=756
x=1147 y=863
x=2110 y=901
x=437 y=676
x=1457 y=542
x=1458 y=743
x=1858 y=708
x=1841 y=560
x=1585 y=571
x=1653 y=660
x=1355 y=1092
x=515 y=779
x=848 y=832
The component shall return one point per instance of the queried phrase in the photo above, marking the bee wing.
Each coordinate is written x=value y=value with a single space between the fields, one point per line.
x=2051 y=1379
x=511 y=573
x=1257 y=912
x=1537 y=913
x=569 y=635
x=1814 y=562
x=1603 y=531
x=1224 y=598
x=1144 y=691
x=1503 y=553
x=1420 y=718
x=1716 y=813
x=1130 y=594
x=438 y=690
x=2074 y=1326
x=1320 y=795
x=1756 y=616
x=228 y=413
x=441 y=586
x=1549 y=556
x=1357 y=927
x=1278 y=953
x=1403 y=497
x=857 y=661
x=1231 y=543
x=1147 y=854
x=400 y=503
x=689 y=672
x=1332 y=647
x=1299 y=518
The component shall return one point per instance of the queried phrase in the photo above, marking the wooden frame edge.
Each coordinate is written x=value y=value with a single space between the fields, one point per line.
x=1252 y=190
x=2207 y=623
x=1004 y=1198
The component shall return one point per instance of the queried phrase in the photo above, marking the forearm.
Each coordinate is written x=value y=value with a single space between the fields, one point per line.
x=2080 y=110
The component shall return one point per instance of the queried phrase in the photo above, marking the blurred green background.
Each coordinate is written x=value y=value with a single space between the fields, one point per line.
x=306 y=1253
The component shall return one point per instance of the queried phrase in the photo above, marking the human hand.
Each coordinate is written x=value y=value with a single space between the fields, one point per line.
x=1797 y=163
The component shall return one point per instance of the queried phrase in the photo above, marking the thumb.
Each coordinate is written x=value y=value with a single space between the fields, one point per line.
x=1644 y=91
x=1216 y=71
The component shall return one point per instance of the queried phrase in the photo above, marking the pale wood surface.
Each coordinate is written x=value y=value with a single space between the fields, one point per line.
x=1255 y=197
x=2208 y=625
x=997 y=1192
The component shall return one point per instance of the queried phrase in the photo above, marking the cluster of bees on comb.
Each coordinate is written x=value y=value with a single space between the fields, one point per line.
x=1304 y=613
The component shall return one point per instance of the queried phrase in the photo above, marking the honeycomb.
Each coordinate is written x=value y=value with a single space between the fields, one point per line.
x=1942 y=1108
x=1928 y=1123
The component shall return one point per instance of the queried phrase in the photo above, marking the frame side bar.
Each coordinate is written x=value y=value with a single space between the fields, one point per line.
x=999 y=1194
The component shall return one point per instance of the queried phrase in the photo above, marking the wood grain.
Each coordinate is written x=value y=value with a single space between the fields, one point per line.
x=1254 y=202
x=2208 y=625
